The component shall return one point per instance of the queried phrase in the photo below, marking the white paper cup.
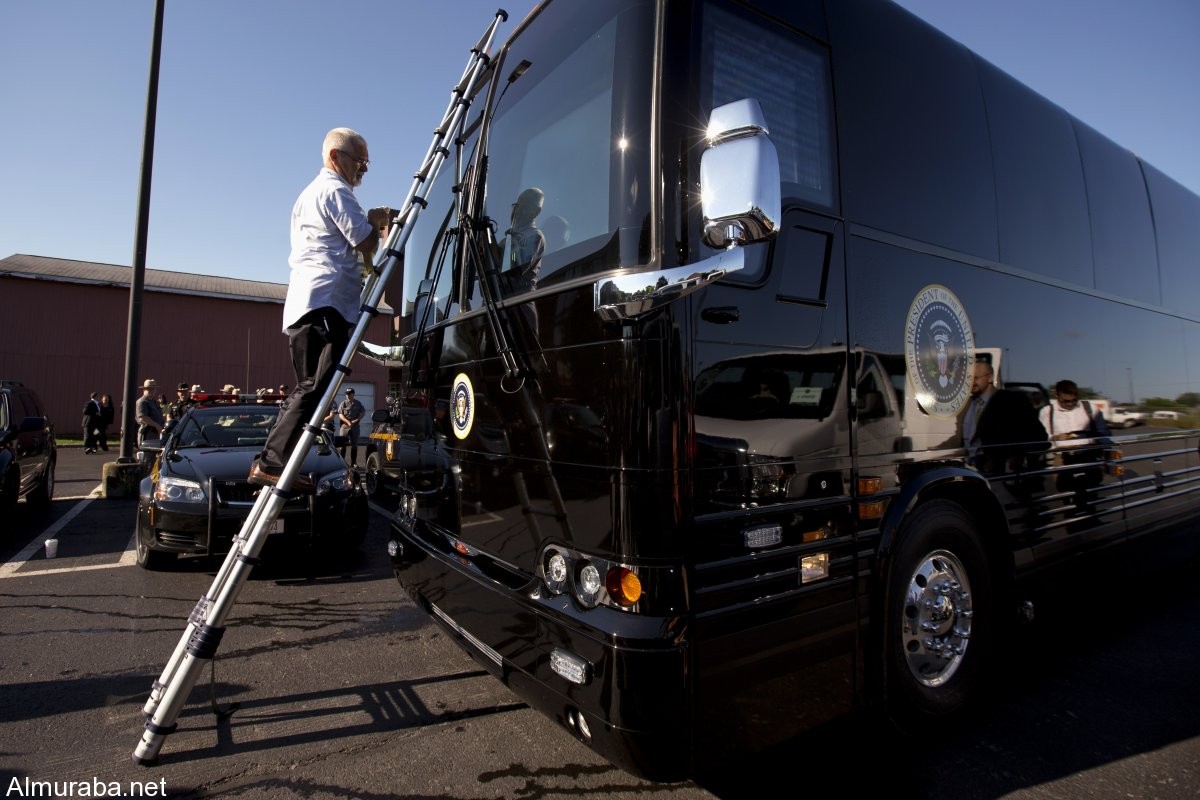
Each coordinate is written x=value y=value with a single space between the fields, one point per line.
x=51 y=548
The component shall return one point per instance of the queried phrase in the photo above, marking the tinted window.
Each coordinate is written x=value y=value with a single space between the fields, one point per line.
x=568 y=181
x=913 y=130
x=1041 y=208
x=1177 y=223
x=1122 y=232
x=743 y=56
x=429 y=252
x=806 y=254
x=23 y=406
x=33 y=404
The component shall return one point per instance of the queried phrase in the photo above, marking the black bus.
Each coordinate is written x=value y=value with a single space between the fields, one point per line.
x=703 y=302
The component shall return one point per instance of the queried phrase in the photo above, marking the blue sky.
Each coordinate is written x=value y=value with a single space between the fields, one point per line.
x=249 y=87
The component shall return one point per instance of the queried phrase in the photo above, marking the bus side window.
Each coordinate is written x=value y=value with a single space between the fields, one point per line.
x=789 y=75
x=804 y=259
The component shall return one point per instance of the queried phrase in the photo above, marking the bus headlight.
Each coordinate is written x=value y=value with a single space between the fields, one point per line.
x=556 y=571
x=588 y=584
x=596 y=581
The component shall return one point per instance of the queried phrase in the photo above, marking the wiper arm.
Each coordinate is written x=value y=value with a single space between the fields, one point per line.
x=485 y=266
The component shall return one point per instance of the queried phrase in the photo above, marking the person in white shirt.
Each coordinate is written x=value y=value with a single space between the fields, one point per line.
x=1069 y=422
x=329 y=230
x=1079 y=433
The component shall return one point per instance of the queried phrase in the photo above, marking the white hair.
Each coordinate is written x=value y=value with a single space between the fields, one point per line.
x=340 y=139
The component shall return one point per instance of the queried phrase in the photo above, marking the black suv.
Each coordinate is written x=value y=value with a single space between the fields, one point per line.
x=27 y=450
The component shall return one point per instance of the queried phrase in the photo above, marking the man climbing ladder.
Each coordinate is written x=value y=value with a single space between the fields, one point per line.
x=205 y=625
x=330 y=232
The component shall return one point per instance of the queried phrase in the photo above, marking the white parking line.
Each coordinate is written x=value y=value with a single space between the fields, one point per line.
x=8 y=568
x=128 y=557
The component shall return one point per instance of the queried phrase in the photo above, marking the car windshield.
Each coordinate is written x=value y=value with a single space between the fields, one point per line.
x=229 y=426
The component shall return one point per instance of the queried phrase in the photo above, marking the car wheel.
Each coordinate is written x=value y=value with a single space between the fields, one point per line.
x=940 y=616
x=148 y=558
x=43 y=493
x=375 y=486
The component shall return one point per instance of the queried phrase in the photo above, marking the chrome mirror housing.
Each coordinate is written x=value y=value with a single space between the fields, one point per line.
x=739 y=177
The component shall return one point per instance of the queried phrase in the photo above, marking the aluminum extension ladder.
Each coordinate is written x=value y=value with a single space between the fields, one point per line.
x=205 y=624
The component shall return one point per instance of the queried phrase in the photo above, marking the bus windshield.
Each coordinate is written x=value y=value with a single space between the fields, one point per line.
x=569 y=144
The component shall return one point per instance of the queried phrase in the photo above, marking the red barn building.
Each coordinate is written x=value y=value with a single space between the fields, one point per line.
x=63 y=328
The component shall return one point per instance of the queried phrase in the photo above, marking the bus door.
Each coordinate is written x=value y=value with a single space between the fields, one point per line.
x=775 y=545
x=771 y=365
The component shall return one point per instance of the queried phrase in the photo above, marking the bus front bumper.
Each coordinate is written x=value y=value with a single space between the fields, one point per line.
x=628 y=697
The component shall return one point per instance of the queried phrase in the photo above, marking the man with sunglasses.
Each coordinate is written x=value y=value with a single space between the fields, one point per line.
x=329 y=232
x=1069 y=421
x=1080 y=435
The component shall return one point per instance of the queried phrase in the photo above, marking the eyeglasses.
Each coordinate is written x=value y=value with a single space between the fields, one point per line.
x=362 y=162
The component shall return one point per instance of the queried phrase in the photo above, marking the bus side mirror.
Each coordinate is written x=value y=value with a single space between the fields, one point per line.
x=739 y=177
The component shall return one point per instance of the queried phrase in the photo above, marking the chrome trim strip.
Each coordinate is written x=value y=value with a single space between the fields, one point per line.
x=491 y=654
x=630 y=295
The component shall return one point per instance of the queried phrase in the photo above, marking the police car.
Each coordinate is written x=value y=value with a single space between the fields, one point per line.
x=196 y=497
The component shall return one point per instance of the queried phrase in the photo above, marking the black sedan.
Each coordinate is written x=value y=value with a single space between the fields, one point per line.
x=196 y=496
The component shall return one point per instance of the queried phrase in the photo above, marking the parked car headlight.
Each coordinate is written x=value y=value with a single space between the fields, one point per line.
x=177 y=490
x=335 y=482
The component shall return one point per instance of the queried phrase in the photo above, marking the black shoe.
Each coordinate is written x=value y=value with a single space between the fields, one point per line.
x=265 y=475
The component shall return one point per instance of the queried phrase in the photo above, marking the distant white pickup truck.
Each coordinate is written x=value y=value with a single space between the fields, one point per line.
x=1123 y=417
x=1119 y=416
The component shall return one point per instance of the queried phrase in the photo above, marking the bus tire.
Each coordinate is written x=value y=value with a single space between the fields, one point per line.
x=941 y=619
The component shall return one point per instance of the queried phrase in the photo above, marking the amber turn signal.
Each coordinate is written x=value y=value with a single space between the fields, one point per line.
x=624 y=587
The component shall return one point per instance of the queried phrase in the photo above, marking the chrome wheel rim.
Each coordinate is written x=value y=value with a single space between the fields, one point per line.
x=936 y=622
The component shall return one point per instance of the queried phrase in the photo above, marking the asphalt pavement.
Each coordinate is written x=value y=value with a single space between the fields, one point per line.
x=344 y=689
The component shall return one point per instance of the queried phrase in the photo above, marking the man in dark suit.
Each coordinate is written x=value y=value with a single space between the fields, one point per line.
x=1000 y=429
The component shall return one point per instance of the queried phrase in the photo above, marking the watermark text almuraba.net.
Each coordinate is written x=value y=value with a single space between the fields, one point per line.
x=95 y=787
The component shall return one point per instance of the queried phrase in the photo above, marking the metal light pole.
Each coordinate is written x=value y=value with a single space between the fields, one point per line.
x=136 y=283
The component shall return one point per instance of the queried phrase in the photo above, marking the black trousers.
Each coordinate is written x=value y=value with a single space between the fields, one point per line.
x=317 y=341
x=91 y=425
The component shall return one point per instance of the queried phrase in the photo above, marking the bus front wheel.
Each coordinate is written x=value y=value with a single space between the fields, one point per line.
x=940 y=615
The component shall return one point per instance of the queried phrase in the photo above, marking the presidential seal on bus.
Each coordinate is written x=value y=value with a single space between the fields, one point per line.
x=939 y=349
x=462 y=405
